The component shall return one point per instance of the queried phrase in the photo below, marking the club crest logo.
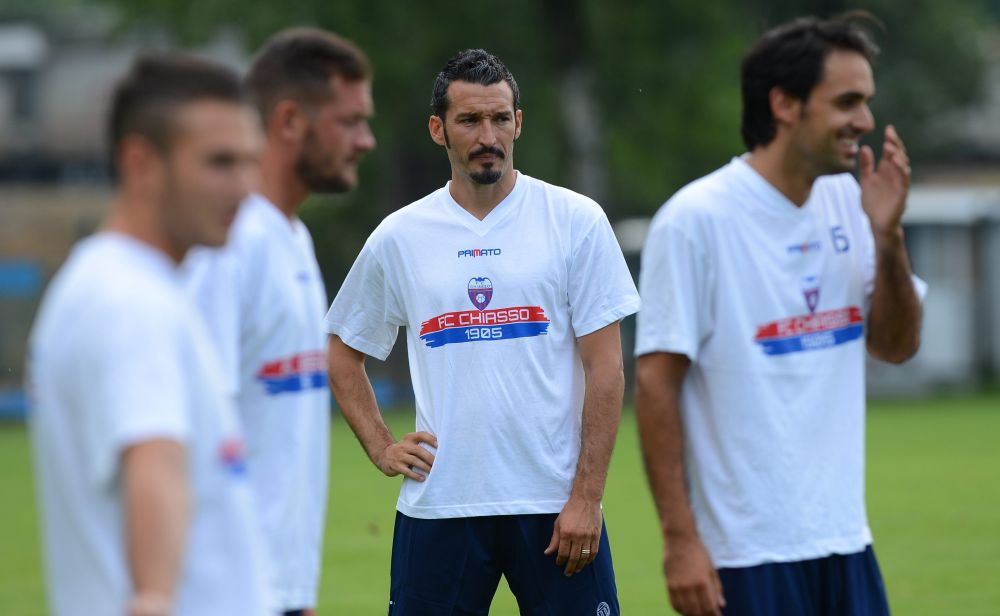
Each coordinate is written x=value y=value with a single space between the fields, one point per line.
x=810 y=290
x=480 y=292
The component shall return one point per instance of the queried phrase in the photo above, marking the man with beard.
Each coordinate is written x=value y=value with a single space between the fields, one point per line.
x=265 y=299
x=763 y=284
x=511 y=291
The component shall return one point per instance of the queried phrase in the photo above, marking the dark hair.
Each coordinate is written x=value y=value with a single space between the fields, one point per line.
x=791 y=57
x=298 y=64
x=472 y=66
x=147 y=99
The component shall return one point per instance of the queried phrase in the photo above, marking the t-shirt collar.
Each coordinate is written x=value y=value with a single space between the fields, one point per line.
x=482 y=227
x=150 y=257
x=770 y=197
x=273 y=212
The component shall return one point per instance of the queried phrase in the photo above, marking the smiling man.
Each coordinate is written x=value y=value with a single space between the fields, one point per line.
x=763 y=284
x=264 y=297
x=511 y=291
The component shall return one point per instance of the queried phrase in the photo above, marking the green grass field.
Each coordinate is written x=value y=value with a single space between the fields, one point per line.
x=933 y=497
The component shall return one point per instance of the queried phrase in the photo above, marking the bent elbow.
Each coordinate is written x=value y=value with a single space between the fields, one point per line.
x=899 y=353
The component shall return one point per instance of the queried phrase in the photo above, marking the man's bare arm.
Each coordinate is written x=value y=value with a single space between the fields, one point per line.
x=692 y=582
x=577 y=533
x=156 y=500
x=353 y=390
x=896 y=314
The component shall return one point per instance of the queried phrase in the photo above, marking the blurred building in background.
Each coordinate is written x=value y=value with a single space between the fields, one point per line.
x=55 y=84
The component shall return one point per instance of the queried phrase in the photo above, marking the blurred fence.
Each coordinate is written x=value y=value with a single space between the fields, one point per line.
x=38 y=226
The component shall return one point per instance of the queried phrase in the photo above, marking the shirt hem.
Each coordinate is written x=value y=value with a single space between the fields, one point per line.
x=295 y=599
x=480 y=509
x=819 y=550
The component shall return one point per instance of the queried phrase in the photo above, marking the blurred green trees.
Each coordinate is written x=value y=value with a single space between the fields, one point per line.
x=625 y=101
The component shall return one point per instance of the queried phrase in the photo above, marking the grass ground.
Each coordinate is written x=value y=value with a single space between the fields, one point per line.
x=933 y=496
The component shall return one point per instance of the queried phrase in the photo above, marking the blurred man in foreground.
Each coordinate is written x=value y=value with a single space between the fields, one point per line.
x=264 y=298
x=763 y=284
x=147 y=509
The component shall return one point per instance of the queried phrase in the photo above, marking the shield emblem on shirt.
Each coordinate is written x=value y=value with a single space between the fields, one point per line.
x=480 y=292
x=810 y=290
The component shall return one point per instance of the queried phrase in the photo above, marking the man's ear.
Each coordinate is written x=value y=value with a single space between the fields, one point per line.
x=785 y=108
x=435 y=126
x=288 y=121
x=517 y=124
x=139 y=161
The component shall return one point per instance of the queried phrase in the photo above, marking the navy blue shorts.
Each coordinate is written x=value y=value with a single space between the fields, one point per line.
x=837 y=585
x=453 y=566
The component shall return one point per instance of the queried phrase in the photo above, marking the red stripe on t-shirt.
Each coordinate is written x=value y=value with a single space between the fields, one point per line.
x=496 y=316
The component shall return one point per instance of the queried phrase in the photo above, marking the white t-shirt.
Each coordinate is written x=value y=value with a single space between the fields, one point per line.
x=769 y=302
x=493 y=309
x=119 y=356
x=264 y=300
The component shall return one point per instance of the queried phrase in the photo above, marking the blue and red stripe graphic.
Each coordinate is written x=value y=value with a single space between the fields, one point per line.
x=811 y=331
x=232 y=456
x=484 y=325
x=296 y=373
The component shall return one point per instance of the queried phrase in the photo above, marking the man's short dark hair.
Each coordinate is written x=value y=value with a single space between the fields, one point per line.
x=147 y=99
x=791 y=57
x=472 y=66
x=298 y=64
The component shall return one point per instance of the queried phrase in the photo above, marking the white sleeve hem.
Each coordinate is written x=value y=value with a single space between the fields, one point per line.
x=919 y=286
x=167 y=433
x=608 y=317
x=661 y=346
x=109 y=465
x=358 y=343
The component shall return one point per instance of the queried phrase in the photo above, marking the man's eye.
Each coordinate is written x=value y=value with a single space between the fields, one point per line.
x=222 y=161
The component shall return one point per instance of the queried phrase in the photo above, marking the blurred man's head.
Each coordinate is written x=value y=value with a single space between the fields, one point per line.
x=808 y=83
x=313 y=90
x=476 y=115
x=184 y=143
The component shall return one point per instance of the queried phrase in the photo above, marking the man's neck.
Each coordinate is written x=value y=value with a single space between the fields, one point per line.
x=481 y=199
x=138 y=221
x=788 y=174
x=280 y=184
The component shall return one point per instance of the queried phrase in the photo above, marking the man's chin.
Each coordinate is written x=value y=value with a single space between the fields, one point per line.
x=840 y=165
x=486 y=176
x=332 y=184
x=216 y=239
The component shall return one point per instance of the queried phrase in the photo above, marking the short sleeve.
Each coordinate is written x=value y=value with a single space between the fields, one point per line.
x=601 y=290
x=136 y=391
x=675 y=282
x=366 y=314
